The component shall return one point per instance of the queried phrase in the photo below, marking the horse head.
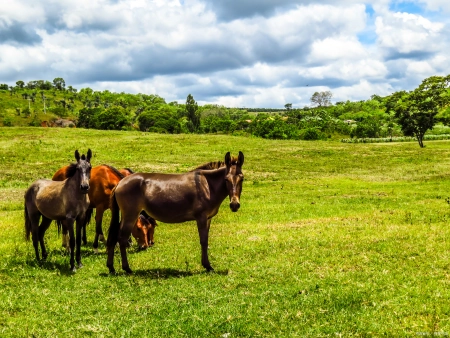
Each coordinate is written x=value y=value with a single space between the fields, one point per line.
x=143 y=231
x=83 y=167
x=234 y=179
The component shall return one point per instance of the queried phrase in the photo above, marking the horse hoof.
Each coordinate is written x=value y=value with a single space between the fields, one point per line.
x=209 y=269
x=101 y=238
x=95 y=250
x=112 y=271
x=128 y=271
x=73 y=270
x=80 y=266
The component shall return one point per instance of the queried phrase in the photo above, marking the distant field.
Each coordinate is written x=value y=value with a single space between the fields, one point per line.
x=332 y=239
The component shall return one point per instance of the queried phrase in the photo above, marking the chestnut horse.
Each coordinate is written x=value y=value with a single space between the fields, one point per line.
x=173 y=198
x=65 y=201
x=103 y=179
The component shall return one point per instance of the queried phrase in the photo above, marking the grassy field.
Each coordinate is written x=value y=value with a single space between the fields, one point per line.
x=332 y=239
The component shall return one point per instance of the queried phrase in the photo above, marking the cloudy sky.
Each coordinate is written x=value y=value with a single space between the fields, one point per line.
x=237 y=53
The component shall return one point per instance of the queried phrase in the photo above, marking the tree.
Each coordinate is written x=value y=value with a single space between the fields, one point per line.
x=416 y=110
x=59 y=83
x=192 y=113
x=20 y=84
x=321 y=99
x=288 y=106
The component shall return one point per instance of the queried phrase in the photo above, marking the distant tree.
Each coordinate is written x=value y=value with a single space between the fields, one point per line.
x=321 y=99
x=288 y=106
x=59 y=83
x=415 y=111
x=192 y=114
x=20 y=84
x=4 y=86
x=114 y=118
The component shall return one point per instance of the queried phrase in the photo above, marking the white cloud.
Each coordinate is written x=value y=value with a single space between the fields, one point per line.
x=407 y=33
x=257 y=54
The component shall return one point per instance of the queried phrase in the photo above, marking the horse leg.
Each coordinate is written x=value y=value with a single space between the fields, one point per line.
x=125 y=232
x=203 y=232
x=34 y=219
x=80 y=224
x=99 y=210
x=45 y=223
x=83 y=230
x=69 y=223
x=65 y=236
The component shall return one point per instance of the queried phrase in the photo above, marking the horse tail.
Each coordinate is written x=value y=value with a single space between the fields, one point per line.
x=27 y=223
x=88 y=216
x=59 y=224
x=114 y=226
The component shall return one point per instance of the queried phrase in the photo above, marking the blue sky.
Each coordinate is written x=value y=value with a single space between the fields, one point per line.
x=237 y=53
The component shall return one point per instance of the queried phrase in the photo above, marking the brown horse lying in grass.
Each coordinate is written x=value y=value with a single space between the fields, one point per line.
x=103 y=180
x=173 y=198
x=66 y=201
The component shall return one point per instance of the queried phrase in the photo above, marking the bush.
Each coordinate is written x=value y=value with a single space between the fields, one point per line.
x=86 y=117
x=7 y=122
x=158 y=122
x=311 y=134
x=114 y=118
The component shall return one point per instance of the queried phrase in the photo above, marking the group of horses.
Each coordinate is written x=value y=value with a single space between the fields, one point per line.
x=142 y=198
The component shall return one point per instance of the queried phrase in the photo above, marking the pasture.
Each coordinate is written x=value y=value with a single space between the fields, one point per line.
x=332 y=239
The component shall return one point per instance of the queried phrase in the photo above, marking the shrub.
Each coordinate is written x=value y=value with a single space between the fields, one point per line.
x=311 y=134
x=8 y=121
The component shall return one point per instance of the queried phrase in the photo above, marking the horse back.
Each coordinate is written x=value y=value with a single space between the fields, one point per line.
x=169 y=198
x=55 y=199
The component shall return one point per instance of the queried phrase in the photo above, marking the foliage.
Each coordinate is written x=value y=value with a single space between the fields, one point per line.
x=416 y=110
x=192 y=114
x=7 y=122
x=114 y=118
x=86 y=117
x=158 y=121
x=321 y=99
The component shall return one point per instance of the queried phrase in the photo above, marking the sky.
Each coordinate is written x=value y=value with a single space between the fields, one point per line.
x=236 y=53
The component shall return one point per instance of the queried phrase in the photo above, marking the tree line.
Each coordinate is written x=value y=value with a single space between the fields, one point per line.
x=404 y=113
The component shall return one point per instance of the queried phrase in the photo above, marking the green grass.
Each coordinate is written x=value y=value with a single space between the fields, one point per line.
x=332 y=239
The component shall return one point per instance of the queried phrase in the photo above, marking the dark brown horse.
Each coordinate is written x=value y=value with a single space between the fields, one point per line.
x=103 y=180
x=173 y=198
x=65 y=201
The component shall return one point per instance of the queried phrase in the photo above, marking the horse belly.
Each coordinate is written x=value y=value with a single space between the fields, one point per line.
x=173 y=204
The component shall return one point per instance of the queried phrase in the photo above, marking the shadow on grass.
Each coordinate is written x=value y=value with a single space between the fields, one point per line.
x=165 y=273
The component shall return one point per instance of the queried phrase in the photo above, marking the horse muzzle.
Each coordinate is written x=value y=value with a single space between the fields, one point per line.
x=84 y=188
x=234 y=206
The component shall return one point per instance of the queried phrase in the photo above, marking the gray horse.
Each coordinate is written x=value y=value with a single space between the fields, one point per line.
x=65 y=201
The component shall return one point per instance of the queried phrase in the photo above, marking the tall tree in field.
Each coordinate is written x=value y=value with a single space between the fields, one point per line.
x=192 y=113
x=415 y=111
x=20 y=84
x=321 y=99
x=59 y=83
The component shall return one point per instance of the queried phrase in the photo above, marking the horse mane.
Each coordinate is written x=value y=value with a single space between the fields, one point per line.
x=71 y=170
x=128 y=169
x=211 y=165
x=115 y=171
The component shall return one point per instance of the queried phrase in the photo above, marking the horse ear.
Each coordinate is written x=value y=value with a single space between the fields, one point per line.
x=77 y=155
x=228 y=159
x=89 y=155
x=241 y=159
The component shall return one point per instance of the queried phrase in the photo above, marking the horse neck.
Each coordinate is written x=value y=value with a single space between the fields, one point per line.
x=73 y=183
x=216 y=182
